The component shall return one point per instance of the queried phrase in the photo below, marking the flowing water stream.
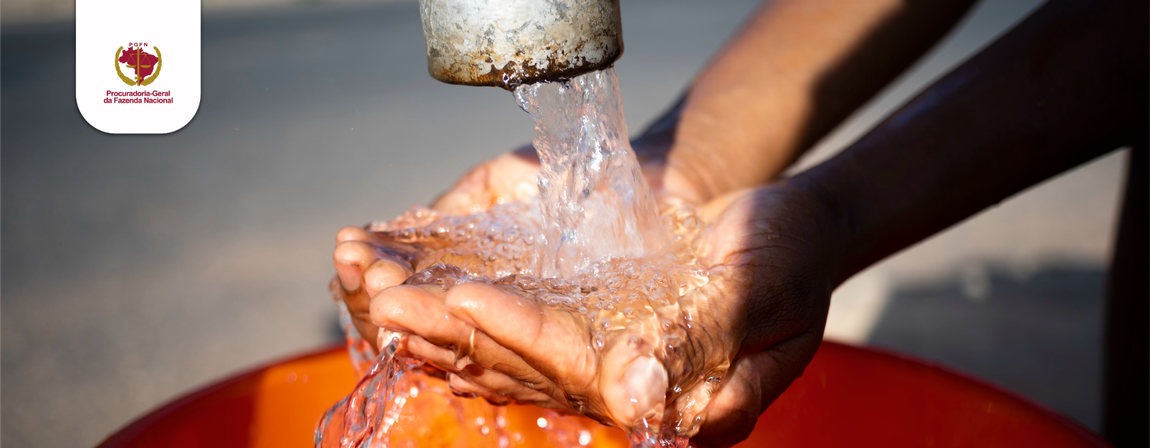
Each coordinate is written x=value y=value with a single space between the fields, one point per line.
x=593 y=243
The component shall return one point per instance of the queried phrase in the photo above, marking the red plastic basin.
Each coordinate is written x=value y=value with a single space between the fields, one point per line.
x=848 y=397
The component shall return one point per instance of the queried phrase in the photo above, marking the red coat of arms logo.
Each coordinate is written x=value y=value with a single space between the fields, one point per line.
x=146 y=65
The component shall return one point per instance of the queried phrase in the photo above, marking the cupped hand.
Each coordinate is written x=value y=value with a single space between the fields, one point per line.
x=771 y=254
x=506 y=178
x=511 y=177
x=367 y=263
x=783 y=243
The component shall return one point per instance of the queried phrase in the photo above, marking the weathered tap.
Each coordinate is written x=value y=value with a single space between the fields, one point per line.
x=506 y=43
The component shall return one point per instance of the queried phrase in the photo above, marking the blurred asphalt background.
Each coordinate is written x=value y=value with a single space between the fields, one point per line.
x=136 y=268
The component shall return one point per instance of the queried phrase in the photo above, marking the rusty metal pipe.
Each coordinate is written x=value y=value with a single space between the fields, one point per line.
x=506 y=43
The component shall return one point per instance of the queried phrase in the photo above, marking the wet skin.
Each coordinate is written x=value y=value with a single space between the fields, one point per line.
x=1066 y=85
x=753 y=310
x=686 y=155
x=366 y=263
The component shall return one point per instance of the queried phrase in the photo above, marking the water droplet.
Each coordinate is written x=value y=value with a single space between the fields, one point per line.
x=557 y=286
x=633 y=341
x=567 y=269
x=672 y=342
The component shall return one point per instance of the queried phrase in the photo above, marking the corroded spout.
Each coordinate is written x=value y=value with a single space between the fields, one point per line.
x=506 y=43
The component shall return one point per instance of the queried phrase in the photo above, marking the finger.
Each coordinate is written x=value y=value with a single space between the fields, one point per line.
x=509 y=177
x=546 y=349
x=359 y=248
x=512 y=176
x=754 y=382
x=351 y=258
x=387 y=271
x=418 y=311
x=545 y=339
x=734 y=407
x=352 y=233
x=486 y=354
x=461 y=383
x=466 y=197
x=490 y=379
x=633 y=383
x=465 y=388
x=441 y=358
x=375 y=238
x=504 y=385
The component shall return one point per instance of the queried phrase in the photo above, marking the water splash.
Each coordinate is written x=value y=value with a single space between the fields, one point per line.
x=594 y=201
x=592 y=243
x=365 y=417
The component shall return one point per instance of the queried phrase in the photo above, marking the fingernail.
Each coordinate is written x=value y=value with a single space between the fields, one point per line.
x=384 y=338
x=384 y=274
x=633 y=385
x=351 y=233
x=645 y=383
x=349 y=276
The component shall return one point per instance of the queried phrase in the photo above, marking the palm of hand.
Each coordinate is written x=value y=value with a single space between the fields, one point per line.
x=366 y=264
x=764 y=306
x=506 y=178
x=779 y=244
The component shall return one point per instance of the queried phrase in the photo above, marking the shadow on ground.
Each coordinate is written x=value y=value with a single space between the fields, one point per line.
x=1037 y=332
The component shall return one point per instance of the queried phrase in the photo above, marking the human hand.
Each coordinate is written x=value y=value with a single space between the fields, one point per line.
x=773 y=265
x=784 y=244
x=367 y=263
x=511 y=177
x=506 y=178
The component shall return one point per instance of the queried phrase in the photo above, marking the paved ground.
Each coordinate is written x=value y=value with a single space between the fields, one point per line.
x=138 y=267
x=45 y=11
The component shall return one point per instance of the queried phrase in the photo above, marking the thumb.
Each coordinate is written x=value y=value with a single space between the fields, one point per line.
x=633 y=383
x=752 y=384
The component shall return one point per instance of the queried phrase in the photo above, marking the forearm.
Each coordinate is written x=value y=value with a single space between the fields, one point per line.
x=794 y=71
x=1067 y=85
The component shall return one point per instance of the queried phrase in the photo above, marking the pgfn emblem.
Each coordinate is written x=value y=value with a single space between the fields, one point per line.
x=146 y=65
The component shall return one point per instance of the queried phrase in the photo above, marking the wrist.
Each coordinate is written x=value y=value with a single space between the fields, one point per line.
x=836 y=220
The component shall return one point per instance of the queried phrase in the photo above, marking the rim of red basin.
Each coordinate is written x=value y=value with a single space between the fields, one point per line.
x=129 y=434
